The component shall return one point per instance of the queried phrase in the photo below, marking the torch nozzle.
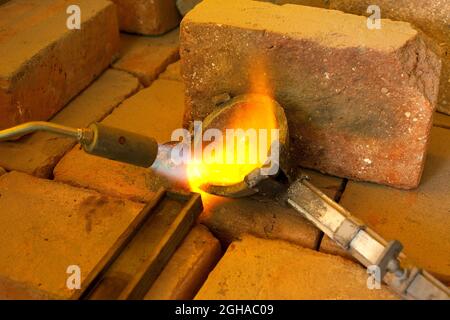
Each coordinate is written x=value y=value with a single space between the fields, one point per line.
x=98 y=139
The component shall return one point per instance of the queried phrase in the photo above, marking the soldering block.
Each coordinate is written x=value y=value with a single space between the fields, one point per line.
x=359 y=102
x=43 y=63
x=276 y=270
x=51 y=231
x=173 y=72
x=147 y=57
x=148 y=17
x=188 y=268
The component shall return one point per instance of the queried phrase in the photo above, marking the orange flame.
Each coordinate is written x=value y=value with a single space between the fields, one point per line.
x=224 y=172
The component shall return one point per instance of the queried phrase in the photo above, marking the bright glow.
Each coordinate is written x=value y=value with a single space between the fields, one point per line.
x=258 y=117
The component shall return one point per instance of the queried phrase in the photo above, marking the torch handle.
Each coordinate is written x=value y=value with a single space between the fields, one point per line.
x=120 y=145
x=98 y=139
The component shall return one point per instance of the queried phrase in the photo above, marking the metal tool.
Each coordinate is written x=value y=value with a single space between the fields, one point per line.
x=364 y=244
x=98 y=139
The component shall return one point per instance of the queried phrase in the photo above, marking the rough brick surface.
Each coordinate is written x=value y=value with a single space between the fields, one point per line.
x=441 y=120
x=173 y=72
x=47 y=226
x=155 y=111
x=44 y=64
x=269 y=269
x=108 y=177
x=148 y=17
x=184 y=6
x=433 y=18
x=38 y=154
x=229 y=220
x=147 y=57
x=359 y=102
x=188 y=268
x=420 y=218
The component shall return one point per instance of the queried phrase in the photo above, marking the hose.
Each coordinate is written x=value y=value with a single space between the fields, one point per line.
x=30 y=127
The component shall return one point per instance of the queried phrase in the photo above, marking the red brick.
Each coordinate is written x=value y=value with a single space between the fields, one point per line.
x=269 y=269
x=148 y=17
x=433 y=18
x=230 y=220
x=359 y=102
x=108 y=177
x=173 y=72
x=147 y=57
x=419 y=218
x=44 y=64
x=188 y=268
x=155 y=111
x=38 y=154
x=47 y=226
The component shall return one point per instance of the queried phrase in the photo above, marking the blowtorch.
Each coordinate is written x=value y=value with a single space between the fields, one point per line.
x=98 y=139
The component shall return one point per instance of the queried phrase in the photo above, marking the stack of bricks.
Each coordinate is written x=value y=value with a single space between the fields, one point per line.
x=137 y=83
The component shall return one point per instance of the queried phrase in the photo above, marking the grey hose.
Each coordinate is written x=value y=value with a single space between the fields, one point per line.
x=99 y=140
x=30 y=127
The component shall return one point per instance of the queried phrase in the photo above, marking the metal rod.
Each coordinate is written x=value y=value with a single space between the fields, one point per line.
x=363 y=243
x=30 y=127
